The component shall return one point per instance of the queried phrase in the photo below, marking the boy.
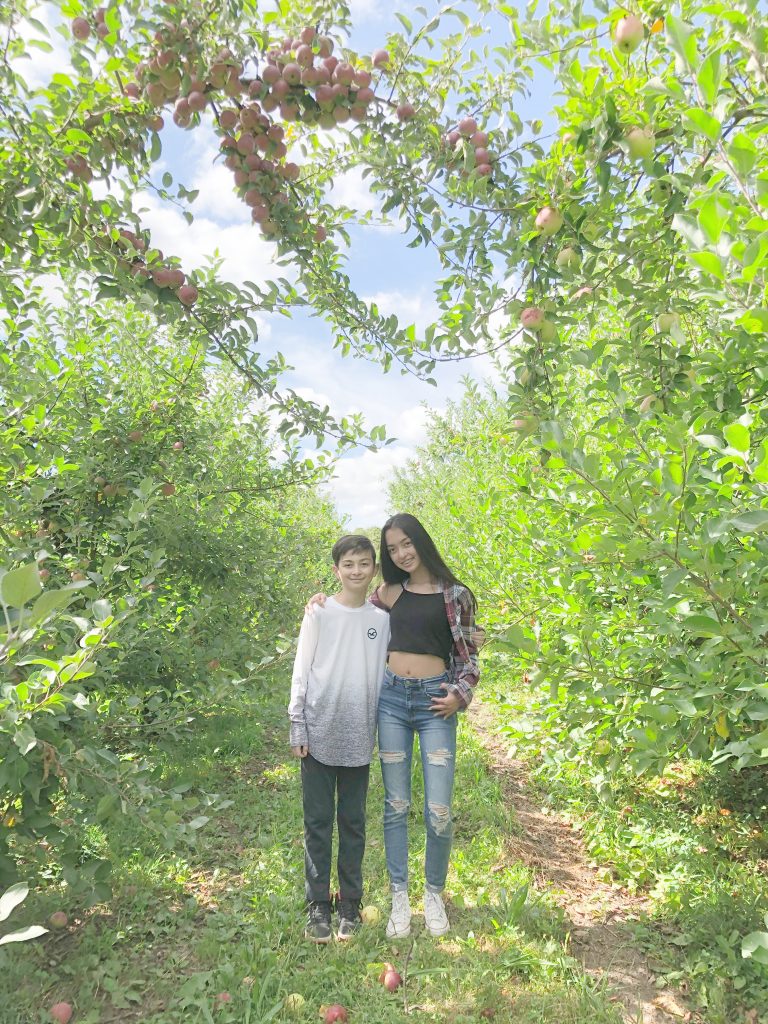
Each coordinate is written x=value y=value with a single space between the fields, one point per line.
x=337 y=675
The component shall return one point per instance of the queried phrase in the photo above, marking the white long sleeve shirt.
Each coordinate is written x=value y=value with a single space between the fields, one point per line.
x=336 y=681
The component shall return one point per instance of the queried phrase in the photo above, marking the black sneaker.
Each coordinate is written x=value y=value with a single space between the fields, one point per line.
x=349 y=918
x=318 y=922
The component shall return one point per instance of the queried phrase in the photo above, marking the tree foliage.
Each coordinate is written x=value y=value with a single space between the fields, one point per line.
x=610 y=254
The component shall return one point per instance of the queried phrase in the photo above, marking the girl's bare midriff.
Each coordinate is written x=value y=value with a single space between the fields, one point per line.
x=415 y=666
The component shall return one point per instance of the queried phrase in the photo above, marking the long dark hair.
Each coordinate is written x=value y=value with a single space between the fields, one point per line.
x=425 y=549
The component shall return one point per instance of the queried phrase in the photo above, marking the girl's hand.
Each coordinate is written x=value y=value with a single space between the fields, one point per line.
x=446 y=706
x=300 y=751
x=315 y=599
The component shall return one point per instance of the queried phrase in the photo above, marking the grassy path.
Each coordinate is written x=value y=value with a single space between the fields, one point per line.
x=225 y=916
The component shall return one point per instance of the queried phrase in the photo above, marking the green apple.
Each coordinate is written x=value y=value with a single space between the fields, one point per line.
x=640 y=143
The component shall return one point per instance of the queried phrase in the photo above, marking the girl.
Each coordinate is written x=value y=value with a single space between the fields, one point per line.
x=431 y=673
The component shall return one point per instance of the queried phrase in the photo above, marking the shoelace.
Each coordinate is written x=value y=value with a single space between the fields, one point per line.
x=349 y=909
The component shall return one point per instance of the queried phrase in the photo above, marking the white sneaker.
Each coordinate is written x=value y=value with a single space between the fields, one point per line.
x=435 y=916
x=399 y=923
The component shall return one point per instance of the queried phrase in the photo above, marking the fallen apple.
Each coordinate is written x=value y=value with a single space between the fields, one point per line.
x=370 y=915
x=294 y=1003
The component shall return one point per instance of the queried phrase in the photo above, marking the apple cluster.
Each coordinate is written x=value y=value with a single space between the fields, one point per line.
x=151 y=266
x=467 y=131
x=302 y=81
x=81 y=27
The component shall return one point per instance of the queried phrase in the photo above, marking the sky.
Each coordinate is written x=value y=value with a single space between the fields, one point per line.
x=397 y=278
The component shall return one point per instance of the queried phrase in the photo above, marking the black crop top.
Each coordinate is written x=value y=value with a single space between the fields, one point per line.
x=419 y=625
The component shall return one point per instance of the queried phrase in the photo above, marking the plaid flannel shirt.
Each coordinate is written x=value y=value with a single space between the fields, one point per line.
x=464 y=668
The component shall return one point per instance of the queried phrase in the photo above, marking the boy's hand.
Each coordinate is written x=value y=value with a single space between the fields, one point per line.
x=300 y=751
x=315 y=599
x=447 y=705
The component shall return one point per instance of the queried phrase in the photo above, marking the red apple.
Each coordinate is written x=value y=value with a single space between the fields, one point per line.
x=467 y=127
x=80 y=28
x=335 y=1012
x=135 y=436
x=187 y=294
x=628 y=33
x=405 y=111
x=392 y=981
x=532 y=318
x=61 y=1013
x=168 y=489
x=196 y=101
x=380 y=58
x=292 y=73
x=549 y=220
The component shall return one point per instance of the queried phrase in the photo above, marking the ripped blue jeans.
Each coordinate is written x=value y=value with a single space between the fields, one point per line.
x=404 y=710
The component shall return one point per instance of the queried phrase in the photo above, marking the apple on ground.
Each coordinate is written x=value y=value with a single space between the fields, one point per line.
x=370 y=915
x=335 y=1012
x=61 y=1013
x=294 y=1003
x=58 y=920
x=392 y=980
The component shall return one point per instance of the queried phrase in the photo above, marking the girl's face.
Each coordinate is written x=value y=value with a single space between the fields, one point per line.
x=401 y=550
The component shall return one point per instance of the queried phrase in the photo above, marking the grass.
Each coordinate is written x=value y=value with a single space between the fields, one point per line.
x=225 y=915
x=695 y=841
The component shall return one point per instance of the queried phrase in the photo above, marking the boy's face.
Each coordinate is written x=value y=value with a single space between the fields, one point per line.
x=355 y=571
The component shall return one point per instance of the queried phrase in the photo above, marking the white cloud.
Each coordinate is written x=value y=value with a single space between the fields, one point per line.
x=360 y=485
x=416 y=308
x=246 y=256
x=38 y=70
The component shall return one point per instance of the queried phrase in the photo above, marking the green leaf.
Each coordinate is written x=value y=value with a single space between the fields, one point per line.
x=515 y=638
x=25 y=739
x=11 y=898
x=20 y=585
x=703 y=123
x=702 y=625
x=737 y=436
x=49 y=602
x=681 y=39
x=106 y=805
x=32 y=932
x=709 y=76
x=755 y=947
x=751 y=522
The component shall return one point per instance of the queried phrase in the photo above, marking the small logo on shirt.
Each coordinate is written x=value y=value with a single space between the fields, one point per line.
x=372 y=633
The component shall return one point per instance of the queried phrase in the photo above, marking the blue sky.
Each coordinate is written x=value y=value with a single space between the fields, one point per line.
x=397 y=278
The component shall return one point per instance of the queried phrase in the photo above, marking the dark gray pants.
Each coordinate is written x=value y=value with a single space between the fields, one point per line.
x=332 y=791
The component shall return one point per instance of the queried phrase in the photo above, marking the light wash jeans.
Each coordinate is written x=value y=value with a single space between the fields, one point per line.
x=404 y=709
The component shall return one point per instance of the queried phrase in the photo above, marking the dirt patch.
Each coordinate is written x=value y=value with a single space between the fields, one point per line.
x=600 y=937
